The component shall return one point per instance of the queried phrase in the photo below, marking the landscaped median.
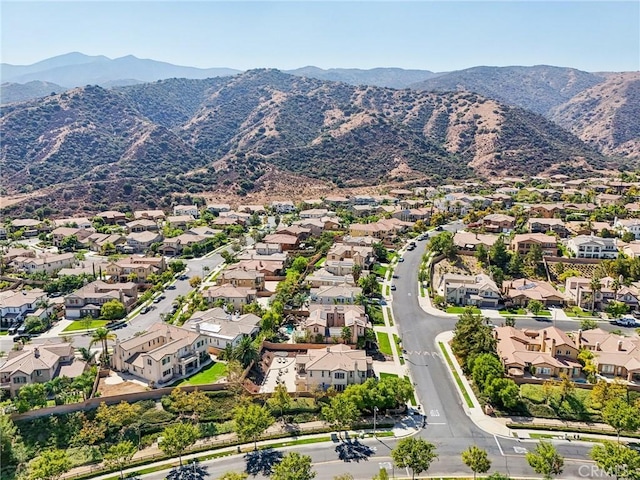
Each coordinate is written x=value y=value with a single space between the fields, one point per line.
x=459 y=381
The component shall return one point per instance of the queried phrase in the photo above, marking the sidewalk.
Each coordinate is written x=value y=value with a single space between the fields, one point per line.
x=498 y=425
x=403 y=427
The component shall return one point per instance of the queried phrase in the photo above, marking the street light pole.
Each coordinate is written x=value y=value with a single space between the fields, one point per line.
x=375 y=410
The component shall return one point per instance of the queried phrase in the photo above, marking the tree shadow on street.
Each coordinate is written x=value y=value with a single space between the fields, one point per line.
x=190 y=471
x=262 y=461
x=353 y=451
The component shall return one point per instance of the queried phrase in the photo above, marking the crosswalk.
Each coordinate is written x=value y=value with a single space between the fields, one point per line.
x=420 y=352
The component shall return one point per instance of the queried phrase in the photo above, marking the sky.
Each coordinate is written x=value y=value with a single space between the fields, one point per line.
x=429 y=35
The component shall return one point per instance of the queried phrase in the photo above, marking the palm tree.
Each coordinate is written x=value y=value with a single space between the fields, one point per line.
x=102 y=335
x=245 y=352
x=616 y=285
x=595 y=287
x=87 y=355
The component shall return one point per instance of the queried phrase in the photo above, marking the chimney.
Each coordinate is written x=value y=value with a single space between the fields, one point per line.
x=579 y=338
x=619 y=345
x=197 y=327
x=597 y=346
x=36 y=352
x=328 y=349
x=543 y=346
x=553 y=346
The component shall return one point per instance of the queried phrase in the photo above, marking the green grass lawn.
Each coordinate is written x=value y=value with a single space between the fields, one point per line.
x=320 y=262
x=5 y=332
x=465 y=394
x=396 y=339
x=375 y=314
x=543 y=313
x=380 y=271
x=577 y=312
x=460 y=310
x=389 y=315
x=210 y=374
x=384 y=375
x=513 y=311
x=387 y=290
x=82 y=325
x=383 y=343
x=421 y=290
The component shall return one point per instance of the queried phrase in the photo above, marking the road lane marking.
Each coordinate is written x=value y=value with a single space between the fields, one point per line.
x=434 y=413
x=499 y=446
x=520 y=450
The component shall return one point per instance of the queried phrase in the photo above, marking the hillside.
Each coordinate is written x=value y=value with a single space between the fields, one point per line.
x=378 y=77
x=607 y=115
x=20 y=92
x=140 y=144
x=538 y=89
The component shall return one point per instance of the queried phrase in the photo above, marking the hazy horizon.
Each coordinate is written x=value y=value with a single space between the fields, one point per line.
x=437 y=36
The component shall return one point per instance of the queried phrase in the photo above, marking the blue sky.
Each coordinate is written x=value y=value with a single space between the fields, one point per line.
x=438 y=36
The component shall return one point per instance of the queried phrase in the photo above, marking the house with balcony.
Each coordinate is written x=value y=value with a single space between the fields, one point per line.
x=162 y=355
x=328 y=321
x=228 y=294
x=135 y=267
x=39 y=364
x=335 y=294
x=524 y=242
x=335 y=366
x=16 y=305
x=479 y=290
x=498 y=223
x=579 y=292
x=549 y=352
x=590 y=246
x=615 y=356
x=544 y=225
x=223 y=329
x=47 y=263
x=88 y=300
x=628 y=225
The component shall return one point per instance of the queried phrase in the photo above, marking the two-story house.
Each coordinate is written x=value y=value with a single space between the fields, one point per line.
x=16 y=305
x=186 y=210
x=524 y=242
x=590 y=246
x=628 y=225
x=223 y=329
x=544 y=225
x=251 y=279
x=88 y=300
x=228 y=294
x=328 y=321
x=335 y=294
x=498 y=222
x=479 y=290
x=334 y=366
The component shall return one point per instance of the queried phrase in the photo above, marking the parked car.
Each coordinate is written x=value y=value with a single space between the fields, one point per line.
x=158 y=299
x=626 y=322
x=146 y=309
x=395 y=275
x=401 y=259
x=393 y=287
x=22 y=336
x=171 y=287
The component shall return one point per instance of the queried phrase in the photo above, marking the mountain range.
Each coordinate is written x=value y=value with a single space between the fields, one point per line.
x=267 y=131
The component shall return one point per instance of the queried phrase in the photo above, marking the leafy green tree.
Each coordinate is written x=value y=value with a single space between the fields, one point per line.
x=280 y=398
x=380 y=252
x=341 y=412
x=113 y=310
x=299 y=264
x=509 y=322
x=195 y=281
x=515 y=265
x=49 y=465
x=472 y=336
x=12 y=448
x=621 y=416
x=485 y=368
x=31 y=396
x=534 y=256
x=251 y=421
x=69 y=243
x=503 y=392
x=545 y=460
x=498 y=253
x=442 y=244
x=356 y=270
x=414 y=453
x=617 y=460
x=119 y=455
x=617 y=309
x=293 y=466
x=482 y=254
x=567 y=387
x=476 y=459
x=369 y=284
x=603 y=392
x=345 y=334
x=177 y=438
x=195 y=403
x=381 y=475
x=177 y=266
x=628 y=237
x=588 y=324
x=246 y=351
x=535 y=306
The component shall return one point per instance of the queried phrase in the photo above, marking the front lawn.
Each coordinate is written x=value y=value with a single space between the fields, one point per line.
x=380 y=271
x=577 y=312
x=383 y=343
x=513 y=311
x=210 y=374
x=320 y=262
x=385 y=375
x=461 y=310
x=543 y=313
x=85 y=325
x=375 y=314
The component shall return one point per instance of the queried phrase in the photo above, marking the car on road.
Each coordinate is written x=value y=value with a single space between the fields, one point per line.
x=395 y=275
x=393 y=287
x=626 y=322
x=171 y=287
x=401 y=259
x=22 y=336
x=159 y=299
x=146 y=309
x=183 y=277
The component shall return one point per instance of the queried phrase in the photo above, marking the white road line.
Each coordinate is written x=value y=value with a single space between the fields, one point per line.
x=436 y=423
x=499 y=447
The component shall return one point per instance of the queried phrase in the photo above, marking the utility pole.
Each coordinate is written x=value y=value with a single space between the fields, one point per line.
x=375 y=411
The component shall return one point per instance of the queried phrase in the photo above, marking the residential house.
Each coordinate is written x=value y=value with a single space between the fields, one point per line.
x=219 y=207
x=180 y=221
x=16 y=305
x=605 y=199
x=413 y=214
x=191 y=210
x=227 y=221
x=479 y=290
x=263 y=248
x=546 y=210
x=470 y=241
x=519 y=292
x=48 y=263
x=364 y=210
x=28 y=226
x=135 y=269
x=327 y=322
x=628 y=225
x=12 y=253
x=88 y=300
x=336 y=201
x=334 y=366
x=162 y=355
x=251 y=209
x=296 y=231
x=498 y=222
x=286 y=242
x=579 y=292
x=541 y=353
x=77 y=222
x=323 y=277
x=60 y=233
x=237 y=277
x=632 y=249
x=587 y=227
x=155 y=215
x=335 y=294
x=315 y=213
x=204 y=231
x=112 y=217
x=614 y=355
x=522 y=243
x=223 y=329
x=269 y=268
x=544 y=225
x=142 y=241
x=142 y=225
x=98 y=241
x=385 y=229
x=462 y=203
x=175 y=245
x=39 y=364
x=360 y=255
x=228 y=294
x=363 y=200
x=590 y=246
x=283 y=207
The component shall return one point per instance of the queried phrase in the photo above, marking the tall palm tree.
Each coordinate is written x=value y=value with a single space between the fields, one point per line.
x=87 y=355
x=102 y=335
x=595 y=286
x=616 y=285
x=245 y=352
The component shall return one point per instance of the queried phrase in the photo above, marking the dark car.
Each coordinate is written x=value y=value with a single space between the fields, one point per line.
x=183 y=277
x=22 y=336
x=171 y=287
x=146 y=309
x=401 y=259
x=393 y=287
